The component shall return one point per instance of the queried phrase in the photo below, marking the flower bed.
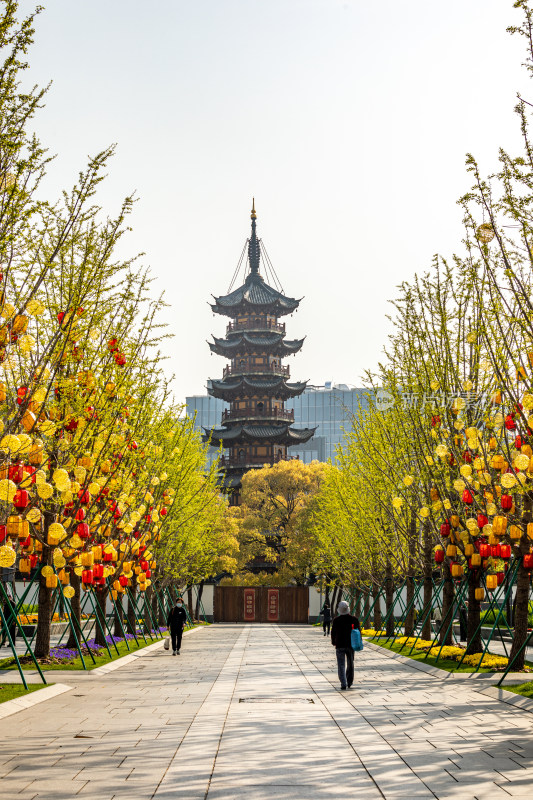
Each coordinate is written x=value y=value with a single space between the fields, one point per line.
x=489 y=661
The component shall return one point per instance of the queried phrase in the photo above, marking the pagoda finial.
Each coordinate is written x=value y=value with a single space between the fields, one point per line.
x=254 y=250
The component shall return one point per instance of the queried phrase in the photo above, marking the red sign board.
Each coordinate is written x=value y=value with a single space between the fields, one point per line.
x=273 y=605
x=249 y=605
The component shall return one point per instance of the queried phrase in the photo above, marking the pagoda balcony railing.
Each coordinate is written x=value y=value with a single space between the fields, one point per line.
x=256 y=369
x=256 y=325
x=254 y=413
x=246 y=461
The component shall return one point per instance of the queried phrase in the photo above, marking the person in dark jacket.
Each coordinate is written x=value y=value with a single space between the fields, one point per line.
x=326 y=618
x=176 y=622
x=341 y=639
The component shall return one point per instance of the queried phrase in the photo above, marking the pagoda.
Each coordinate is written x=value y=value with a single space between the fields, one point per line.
x=256 y=428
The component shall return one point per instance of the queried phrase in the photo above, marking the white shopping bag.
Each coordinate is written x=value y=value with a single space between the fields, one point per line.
x=167 y=644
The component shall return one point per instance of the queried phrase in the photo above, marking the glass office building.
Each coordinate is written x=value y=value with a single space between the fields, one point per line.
x=329 y=408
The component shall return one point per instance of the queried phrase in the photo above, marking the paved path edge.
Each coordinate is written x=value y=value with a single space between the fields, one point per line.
x=7 y=677
x=512 y=699
x=21 y=703
x=512 y=677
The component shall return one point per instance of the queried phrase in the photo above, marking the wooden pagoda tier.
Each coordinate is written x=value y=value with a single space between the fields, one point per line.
x=256 y=428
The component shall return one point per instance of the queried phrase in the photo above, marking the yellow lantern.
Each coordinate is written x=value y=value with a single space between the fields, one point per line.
x=492 y=582
x=451 y=551
x=457 y=570
x=25 y=565
x=51 y=581
x=499 y=525
x=469 y=550
x=14 y=525
x=515 y=532
x=475 y=560
x=480 y=594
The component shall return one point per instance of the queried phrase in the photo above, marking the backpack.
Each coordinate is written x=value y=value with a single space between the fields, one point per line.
x=356 y=640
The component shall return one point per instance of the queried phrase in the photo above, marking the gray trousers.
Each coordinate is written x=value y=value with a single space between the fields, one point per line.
x=345 y=665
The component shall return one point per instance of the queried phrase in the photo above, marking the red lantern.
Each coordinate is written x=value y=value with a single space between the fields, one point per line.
x=505 y=551
x=518 y=442
x=506 y=502
x=82 y=529
x=484 y=550
x=25 y=542
x=85 y=497
x=510 y=424
x=439 y=556
x=467 y=497
x=500 y=576
x=16 y=473
x=108 y=556
x=87 y=576
x=148 y=573
x=123 y=580
x=120 y=359
x=2 y=533
x=528 y=561
x=164 y=512
x=21 y=499
x=495 y=550
x=80 y=514
x=482 y=520
x=112 y=345
x=30 y=472
x=98 y=571
x=467 y=456
x=34 y=560
x=144 y=565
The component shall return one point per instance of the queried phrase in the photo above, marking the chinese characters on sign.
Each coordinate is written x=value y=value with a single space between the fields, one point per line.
x=273 y=605
x=249 y=605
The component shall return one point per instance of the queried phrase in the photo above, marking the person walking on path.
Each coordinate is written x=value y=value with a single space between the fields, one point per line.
x=176 y=622
x=326 y=618
x=341 y=639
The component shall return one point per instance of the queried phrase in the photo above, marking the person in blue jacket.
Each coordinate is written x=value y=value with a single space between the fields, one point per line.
x=341 y=639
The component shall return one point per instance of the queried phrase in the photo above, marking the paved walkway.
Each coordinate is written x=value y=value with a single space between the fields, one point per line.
x=253 y=712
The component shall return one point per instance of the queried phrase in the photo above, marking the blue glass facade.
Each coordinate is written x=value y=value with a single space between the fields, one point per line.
x=329 y=407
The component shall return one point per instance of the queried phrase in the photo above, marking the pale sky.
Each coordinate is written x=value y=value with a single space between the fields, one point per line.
x=348 y=120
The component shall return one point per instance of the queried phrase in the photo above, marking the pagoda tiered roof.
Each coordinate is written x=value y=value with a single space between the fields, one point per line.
x=271 y=341
x=244 y=385
x=254 y=296
x=280 y=434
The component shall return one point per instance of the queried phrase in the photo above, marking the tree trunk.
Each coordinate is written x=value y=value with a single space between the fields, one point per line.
x=521 y=609
x=155 y=607
x=147 y=610
x=75 y=612
x=44 y=619
x=426 y=632
x=448 y=592
x=100 y=608
x=161 y=606
x=389 y=598
x=118 y=616
x=473 y=630
x=366 y=606
x=199 y=598
x=377 y=607
x=189 y=603
x=357 y=607
x=132 y=613
x=409 y=624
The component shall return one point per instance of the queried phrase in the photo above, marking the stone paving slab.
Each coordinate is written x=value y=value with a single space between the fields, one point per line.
x=255 y=712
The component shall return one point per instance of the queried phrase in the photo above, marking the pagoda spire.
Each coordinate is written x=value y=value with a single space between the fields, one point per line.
x=254 y=251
